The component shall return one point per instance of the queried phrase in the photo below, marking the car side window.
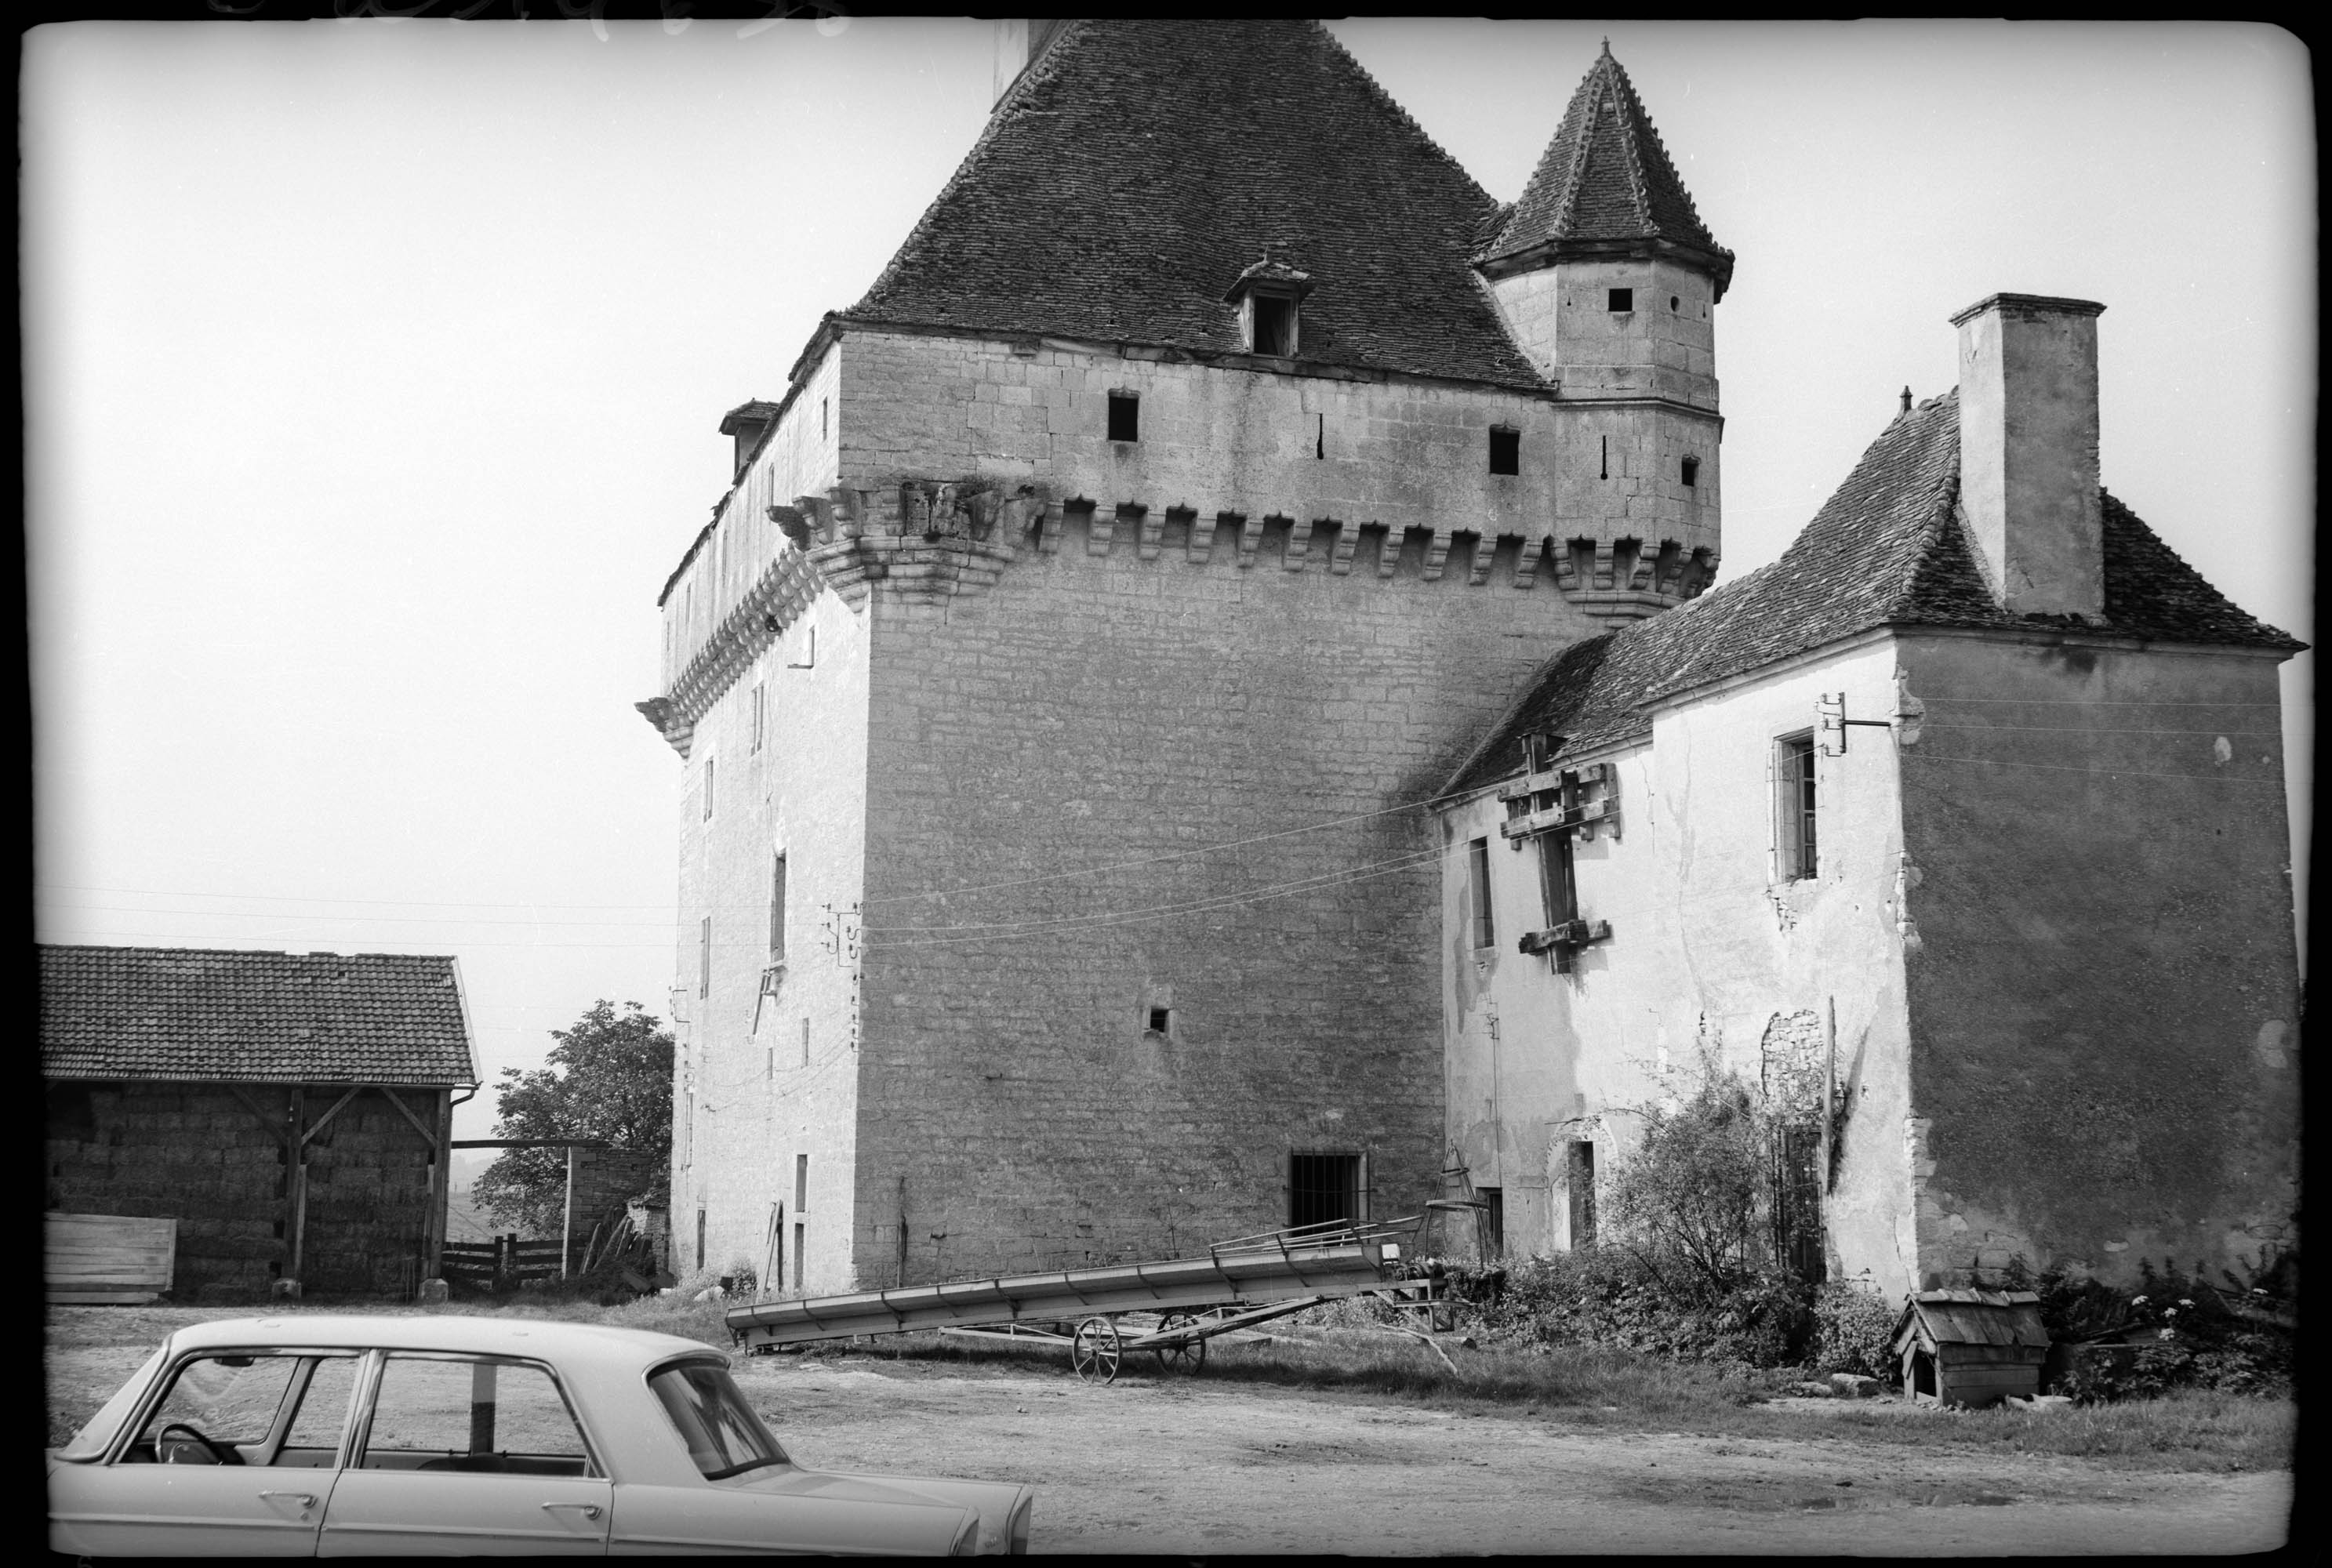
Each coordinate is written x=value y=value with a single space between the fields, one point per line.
x=314 y=1440
x=476 y=1415
x=220 y=1410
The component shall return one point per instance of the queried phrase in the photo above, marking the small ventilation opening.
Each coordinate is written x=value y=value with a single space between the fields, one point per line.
x=1674 y=304
x=1124 y=417
x=1691 y=472
x=1623 y=299
x=1161 y=1019
x=1275 y=325
x=1505 y=450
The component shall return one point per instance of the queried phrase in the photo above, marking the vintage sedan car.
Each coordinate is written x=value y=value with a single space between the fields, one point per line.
x=322 y=1435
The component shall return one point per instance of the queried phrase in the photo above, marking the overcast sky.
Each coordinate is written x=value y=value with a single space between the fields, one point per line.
x=374 y=372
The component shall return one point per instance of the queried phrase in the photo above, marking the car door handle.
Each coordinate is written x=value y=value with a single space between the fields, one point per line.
x=590 y=1510
x=305 y=1499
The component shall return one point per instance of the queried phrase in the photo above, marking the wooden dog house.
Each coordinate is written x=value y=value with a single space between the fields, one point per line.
x=1970 y=1347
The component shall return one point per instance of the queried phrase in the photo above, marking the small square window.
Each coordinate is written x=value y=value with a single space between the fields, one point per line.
x=1162 y=1020
x=1505 y=450
x=1623 y=299
x=1691 y=472
x=1124 y=417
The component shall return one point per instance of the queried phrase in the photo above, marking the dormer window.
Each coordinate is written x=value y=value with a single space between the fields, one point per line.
x=743 y=425
x=1271 y=325
x=1270 y=298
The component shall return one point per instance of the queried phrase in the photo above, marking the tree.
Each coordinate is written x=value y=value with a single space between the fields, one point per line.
x=609 y=1076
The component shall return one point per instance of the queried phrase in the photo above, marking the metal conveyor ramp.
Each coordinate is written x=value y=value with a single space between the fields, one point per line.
x=1253 y=1272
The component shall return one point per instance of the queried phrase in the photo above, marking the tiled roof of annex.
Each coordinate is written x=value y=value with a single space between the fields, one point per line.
x=1606 y=177
x=1138 y=168
x=1888 y=549
x=192 y=1014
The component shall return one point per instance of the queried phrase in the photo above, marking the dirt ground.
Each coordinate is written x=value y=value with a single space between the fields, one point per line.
x=1158 y=1464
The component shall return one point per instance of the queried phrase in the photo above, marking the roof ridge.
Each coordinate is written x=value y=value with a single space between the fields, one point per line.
x=1037 y=72
x=1393 y=105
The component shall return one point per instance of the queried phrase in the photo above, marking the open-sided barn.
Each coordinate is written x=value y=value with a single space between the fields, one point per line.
x=290 y=1112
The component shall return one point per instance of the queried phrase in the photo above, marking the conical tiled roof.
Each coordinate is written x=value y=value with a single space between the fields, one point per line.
x=1888 y=549
x=1607 y=180
x=1137 y=168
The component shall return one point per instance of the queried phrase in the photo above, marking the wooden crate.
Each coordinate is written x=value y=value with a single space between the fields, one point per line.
x=108 y=1259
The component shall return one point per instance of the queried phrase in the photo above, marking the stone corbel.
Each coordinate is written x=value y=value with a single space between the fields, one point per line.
x=1299 y=542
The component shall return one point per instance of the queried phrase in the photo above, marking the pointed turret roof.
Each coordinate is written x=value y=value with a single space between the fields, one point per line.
x=1135 y=172
x=1605 y=183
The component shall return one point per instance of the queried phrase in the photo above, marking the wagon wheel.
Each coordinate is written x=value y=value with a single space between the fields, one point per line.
x=1095 y=1351
x=1187 y=1357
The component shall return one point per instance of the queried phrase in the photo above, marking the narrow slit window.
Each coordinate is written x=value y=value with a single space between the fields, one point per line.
x=805 y=1042
x=1505 y=450
x=821 y=418
x=708 y=789
x=1794 y=789
x=1124 y=417
x=1320 y=439
x=760 y=715
x=798 y=1258
x=1622 y=300
x=801 y=1183
x=778 y=910
x=1477 y=893
x=1691 y=472
x=1607 y=457
x=704 y=957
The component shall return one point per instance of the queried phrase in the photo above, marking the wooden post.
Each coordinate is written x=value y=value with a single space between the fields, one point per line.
x=432 y=1266
x=567 y=1225
x=298 y=1178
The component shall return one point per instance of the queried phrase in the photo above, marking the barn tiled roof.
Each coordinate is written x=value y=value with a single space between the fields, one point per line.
x=1606 y=177
x=1133 y=171
x=1888 y=549
x=196 y=1014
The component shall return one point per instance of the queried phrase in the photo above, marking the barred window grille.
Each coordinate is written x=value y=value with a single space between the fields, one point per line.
x=1323 y=1190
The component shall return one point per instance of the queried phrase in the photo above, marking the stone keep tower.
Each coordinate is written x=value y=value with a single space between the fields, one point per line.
x=1060 y=677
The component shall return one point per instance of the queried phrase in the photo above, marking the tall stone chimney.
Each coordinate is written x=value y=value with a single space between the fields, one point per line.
x=2028 y=449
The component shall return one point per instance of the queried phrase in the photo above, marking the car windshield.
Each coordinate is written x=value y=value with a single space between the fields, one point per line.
x=724 y=1435
x=92 y=1440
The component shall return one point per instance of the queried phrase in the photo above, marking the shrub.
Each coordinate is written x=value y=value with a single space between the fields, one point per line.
x=1632 y=1299
x=2184 y=1332
x=1853 y=1331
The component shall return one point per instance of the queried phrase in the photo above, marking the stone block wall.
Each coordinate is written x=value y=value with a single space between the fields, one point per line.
x=1077 y=729
x=763 y=1079
x=193 y=1153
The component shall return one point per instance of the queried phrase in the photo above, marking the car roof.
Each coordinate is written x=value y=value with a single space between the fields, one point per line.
x=573 y=1346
